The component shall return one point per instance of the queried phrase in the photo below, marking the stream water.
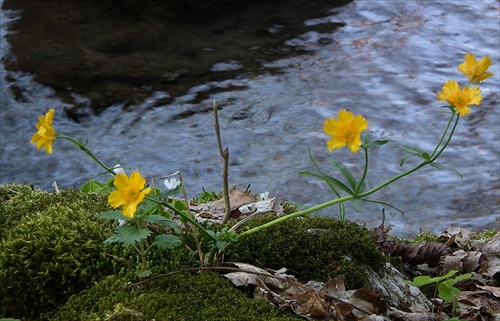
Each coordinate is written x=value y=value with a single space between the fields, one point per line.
x=385 y=60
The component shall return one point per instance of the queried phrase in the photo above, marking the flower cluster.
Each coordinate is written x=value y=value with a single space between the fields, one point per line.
x=461 y=98
x=346 y=129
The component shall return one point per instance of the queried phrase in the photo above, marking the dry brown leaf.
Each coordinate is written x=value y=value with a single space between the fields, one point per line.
x=368 y=301
x=488 y=246
x=395 y=314
x=465 y=262
x=335 y=288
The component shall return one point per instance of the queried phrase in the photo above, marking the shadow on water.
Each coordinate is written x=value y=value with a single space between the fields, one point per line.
x=122 y=51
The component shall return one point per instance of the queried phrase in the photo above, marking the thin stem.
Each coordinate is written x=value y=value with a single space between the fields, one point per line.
x=185 y=216
x=87 y=151
x=341 y=205
x=365 y=170
x=443 y=136
x=193 y=228
x=448 y=140
x=293 y=215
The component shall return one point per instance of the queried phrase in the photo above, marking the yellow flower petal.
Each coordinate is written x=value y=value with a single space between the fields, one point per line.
x=474 y=70
x=459 y=98
x=346 y=130
x=46 y=133
x=129 y=192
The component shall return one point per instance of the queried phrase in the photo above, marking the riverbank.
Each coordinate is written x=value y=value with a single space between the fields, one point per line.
x=68 y=272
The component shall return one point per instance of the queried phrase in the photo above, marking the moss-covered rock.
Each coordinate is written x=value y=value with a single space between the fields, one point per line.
x=204 y=296
x=51 y=247
x=315 y=248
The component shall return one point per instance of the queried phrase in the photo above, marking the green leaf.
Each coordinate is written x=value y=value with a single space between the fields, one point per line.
x=381 y=142
x=385 y=204
x=128 y=235
x=421 y=281
x=93 y=187
x=113 y=215
x=160 y=220
x=329 y=180
x=347 y=174
x=442 y=167
x=445 y=292
x=367 y=143
x=414 y=151
x=362 y=187
x=357 y=204
x=167 y=241
x=465 y=276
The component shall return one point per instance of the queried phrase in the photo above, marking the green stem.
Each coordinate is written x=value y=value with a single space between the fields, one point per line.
x=433 y=158
x=143 y=256
x=87 y=151
x=185 y=216
x=365 y=170
x=341 y=205
x=443 y=136
x=293 y=215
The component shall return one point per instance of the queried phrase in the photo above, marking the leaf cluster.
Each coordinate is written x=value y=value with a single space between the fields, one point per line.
x=445 y=285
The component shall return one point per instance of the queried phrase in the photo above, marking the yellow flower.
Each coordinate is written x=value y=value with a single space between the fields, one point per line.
x=346 y=130
x=46 y=134
x=460 y=98
x=129 y=193
x=475 y=71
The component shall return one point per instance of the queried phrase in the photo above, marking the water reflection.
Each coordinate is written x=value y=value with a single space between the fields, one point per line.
x=387 y=63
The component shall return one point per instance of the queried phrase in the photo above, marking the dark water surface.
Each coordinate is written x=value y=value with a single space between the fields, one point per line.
x=138 y=83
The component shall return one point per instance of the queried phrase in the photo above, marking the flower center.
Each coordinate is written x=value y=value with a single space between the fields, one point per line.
x=133 y=194
x=347 y=134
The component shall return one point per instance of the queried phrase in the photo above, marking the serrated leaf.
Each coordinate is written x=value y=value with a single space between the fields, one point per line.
x=345 y=172
x=113 y=215
x=167 y=241
x=160 y=220
x=128 y=235
x=447 y=168
x=335 y=182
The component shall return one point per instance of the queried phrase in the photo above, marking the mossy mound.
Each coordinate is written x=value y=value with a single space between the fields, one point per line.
x=204 y=296
x=51 y=246
x=52 y=249
x=314 y=248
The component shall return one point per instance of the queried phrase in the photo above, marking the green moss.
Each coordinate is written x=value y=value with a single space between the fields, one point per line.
x=315 y=248
x=51 y=247
x=204 y=296
x=483 y=235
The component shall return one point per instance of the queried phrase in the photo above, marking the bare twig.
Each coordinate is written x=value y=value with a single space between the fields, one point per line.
x=225 y=156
